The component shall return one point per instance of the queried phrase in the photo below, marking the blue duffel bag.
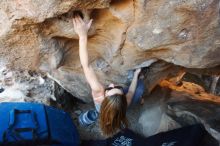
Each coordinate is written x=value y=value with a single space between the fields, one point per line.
x=36 y=124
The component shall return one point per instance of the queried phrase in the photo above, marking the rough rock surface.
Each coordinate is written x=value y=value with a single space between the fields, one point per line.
x=125 y=34
x=189 y=104
x=163 y=109
x=25 y=86
x=168 y=107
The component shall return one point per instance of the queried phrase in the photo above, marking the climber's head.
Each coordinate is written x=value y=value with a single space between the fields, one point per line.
x=113 y=110
x=112 y=90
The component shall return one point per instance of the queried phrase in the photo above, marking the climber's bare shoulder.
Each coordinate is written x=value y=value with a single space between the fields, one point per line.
x=98 y=95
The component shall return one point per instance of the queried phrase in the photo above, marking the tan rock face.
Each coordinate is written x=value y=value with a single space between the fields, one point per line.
x=191 y=103
x=124 y=35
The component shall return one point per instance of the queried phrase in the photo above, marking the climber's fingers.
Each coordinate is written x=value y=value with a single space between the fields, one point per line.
x=77 y=20
x=90 y=23
x=137 y=71
x=80 y=19
x=74 y=23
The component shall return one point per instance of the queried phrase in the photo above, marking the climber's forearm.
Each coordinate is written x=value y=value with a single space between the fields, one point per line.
x=132 y=88
x=83 y=52
x=90 y=75
x=81 y=28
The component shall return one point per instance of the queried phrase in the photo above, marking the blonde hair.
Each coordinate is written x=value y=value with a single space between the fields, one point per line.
x=113 y=114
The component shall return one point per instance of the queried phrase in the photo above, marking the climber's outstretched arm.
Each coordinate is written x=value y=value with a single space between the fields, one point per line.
x=132 y=86
x=81 y=28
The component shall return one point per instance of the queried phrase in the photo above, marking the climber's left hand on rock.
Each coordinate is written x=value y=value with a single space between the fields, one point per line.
x=137 y=71
x=80 y=26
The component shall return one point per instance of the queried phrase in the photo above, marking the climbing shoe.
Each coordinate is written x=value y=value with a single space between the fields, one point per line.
x=88 y=118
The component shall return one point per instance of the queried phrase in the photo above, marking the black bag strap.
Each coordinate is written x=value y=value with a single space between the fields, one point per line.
x=15 y=133
x=15 y=112
x=19 y=140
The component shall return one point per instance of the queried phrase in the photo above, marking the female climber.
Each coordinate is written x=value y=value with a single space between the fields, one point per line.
x=111 y=103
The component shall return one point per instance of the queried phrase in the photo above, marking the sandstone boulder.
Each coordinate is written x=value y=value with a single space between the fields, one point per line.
x=124 y=35
x=190 y=104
